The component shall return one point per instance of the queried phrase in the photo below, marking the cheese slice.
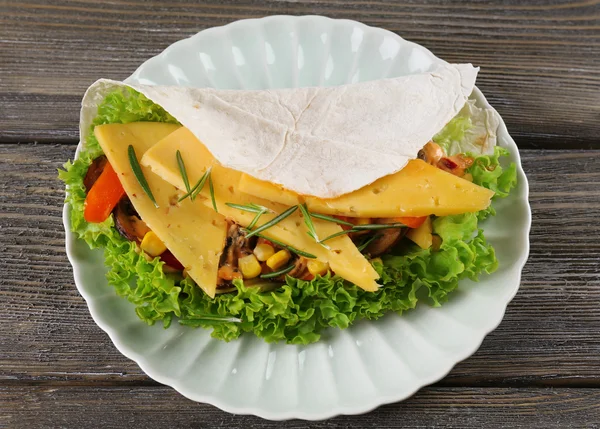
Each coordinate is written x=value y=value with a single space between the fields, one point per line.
x=344 y=258
x=192 y=232
x=419 y=189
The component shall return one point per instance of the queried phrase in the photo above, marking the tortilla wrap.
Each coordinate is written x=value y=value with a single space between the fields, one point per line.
x=320 y=141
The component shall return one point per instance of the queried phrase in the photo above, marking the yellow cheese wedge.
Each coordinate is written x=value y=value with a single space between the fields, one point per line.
x=193 y=233
x=344 y=258
x=422 y=236
x=419 y=189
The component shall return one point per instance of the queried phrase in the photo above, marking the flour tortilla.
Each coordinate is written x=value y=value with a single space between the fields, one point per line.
x=325 y=141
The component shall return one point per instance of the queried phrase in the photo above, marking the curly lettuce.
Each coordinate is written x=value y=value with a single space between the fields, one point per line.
x=488 y=172
x=300 y=310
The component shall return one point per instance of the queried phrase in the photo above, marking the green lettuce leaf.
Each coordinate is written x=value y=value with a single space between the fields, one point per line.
x=298 y=311
x=488 y=172
x=142 y=282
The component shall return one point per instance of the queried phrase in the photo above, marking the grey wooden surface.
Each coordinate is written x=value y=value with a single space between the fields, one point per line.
x=540 y=67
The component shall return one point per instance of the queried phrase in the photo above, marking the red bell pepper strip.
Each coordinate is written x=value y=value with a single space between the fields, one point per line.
x=104 y=196
x=168 y=258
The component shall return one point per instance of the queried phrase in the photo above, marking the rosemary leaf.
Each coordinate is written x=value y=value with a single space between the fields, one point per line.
x=139 y=174
x=376 y=226
x=257 y=206
x=212 y=192
x=252 y=208
x=331 y=219
x=277 y=273
x=182 y=171
x=337 y=234
x=367 y=242
x=314 y=237
x=200 y=185
x=194 y=321
x=256 y=218
x=197 y=187
x=290 y=248
x=230 y=319
x=309 y=223
x=273 y=221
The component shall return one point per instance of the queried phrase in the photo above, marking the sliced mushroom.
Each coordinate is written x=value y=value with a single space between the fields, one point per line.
x=128 y=222
x=236 y=247
x=300 y=268
x=94 y=171
x=386 y=240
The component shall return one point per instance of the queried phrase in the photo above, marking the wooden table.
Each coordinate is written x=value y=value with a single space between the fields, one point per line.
x=540 y=65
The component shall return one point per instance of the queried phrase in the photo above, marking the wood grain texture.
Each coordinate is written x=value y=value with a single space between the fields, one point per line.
x=549 y=337
x=540 y=68
x=85 y=407
x=540 y=60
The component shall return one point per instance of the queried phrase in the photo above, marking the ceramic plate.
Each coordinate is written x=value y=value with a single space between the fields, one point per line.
x=349 y=371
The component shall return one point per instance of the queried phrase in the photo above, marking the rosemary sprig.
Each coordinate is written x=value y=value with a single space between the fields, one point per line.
x=259 y=207
x=376 y=226
x=182 y=171
x=367 y=242
x=331 y=219
x=211 y=188
x=252 y=208
x=262 y=211
x=194 y=321
x=230 y=319
x=273 y=221
x=312 y=233
x=368 y=227
x=200 y=185
x=139 y=174
x=290 y=248
x=197 y=187
x=255 y=220
x=337 y=234
x=277 y=273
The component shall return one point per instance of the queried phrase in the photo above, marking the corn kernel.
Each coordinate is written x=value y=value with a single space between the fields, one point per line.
x=317 y=268
x=249 y=266
x=152 y=245
x=263 y=251
x=279 y=259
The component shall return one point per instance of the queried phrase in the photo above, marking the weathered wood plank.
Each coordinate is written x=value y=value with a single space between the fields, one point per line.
x=550 y=335
x=540 y=62
x=98 y=407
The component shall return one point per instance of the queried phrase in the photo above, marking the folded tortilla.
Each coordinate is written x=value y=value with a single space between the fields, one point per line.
x=321 y=141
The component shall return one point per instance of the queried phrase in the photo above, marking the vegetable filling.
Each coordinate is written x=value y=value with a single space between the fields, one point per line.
x=248 y=256
x=266 y=287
